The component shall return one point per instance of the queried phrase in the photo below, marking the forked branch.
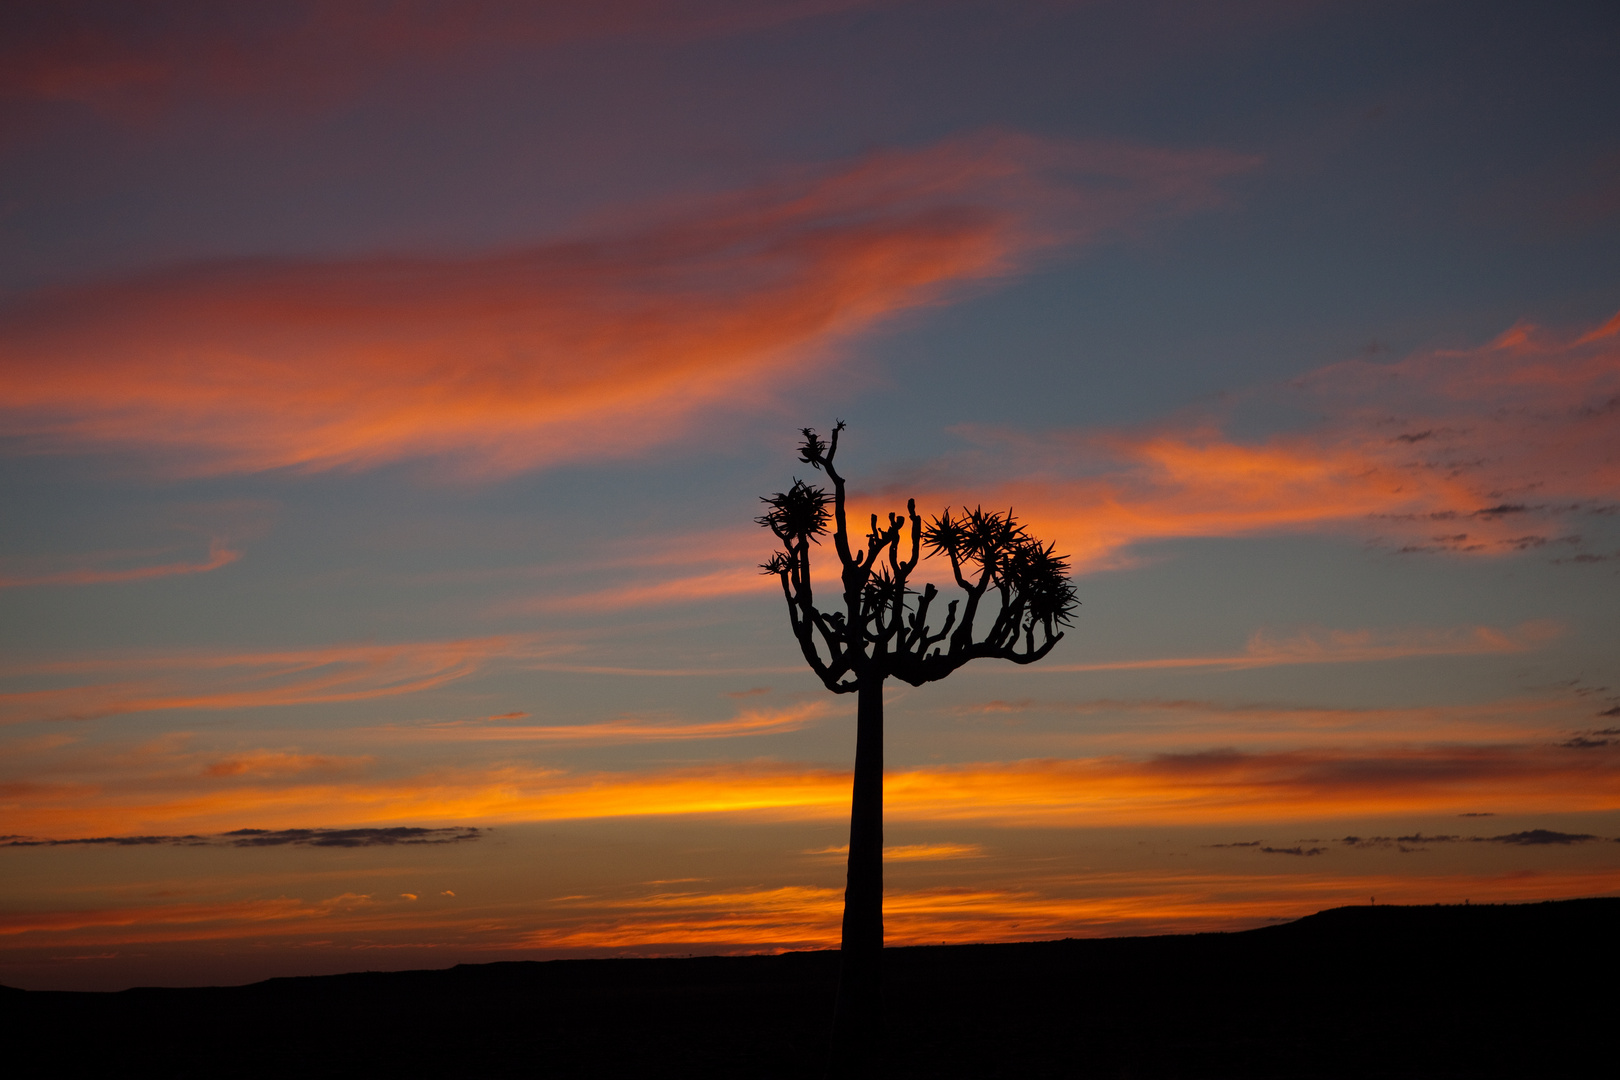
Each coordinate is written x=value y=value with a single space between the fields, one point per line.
x=883 y=627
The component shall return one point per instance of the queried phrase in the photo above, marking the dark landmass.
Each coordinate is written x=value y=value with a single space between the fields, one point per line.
x=1484 y=990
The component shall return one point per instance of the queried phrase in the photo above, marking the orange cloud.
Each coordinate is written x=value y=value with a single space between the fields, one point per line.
x=1134 y=726
x=280 y=763
x=666 y=569
x=316 y=53
x=1349 y=647
x=1511 y=447
x=1176 y=788
x=218 y=555
x=790 y=915
x=786 y=916
x=203 y=921
x=615 y=732
x=202 y=680
x=586 y=347
x=1149 y=903
x=1108 y=903
x=1503 y=449
x=247 y=912
x=694 y=588
x=913 y=852
x=1227 y=785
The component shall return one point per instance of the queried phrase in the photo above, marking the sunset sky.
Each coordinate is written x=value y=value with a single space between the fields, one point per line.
x=387 y=391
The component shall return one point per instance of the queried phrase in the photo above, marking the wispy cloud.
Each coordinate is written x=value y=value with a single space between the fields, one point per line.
x=1135 y=726
x=214 y=921
x=219 y=554
x=1319 y=783
x=281 y=763
x=703 y=587
x=680 y=568
x=582 y=348
x=614 y=732
x=1237 y=786
x=313 y=54
x=1505 y=448
x=1419 y=842
x=1509 y=448
x=791 y=914
x=1350 y=647
x=266 y=838
x=135 y=683
x=1108 y=903
x=913 y=852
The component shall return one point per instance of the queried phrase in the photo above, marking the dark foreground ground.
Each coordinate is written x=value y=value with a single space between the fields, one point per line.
x=1518 y=990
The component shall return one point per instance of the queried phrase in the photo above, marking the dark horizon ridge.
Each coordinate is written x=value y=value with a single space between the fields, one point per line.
x=1475 y=990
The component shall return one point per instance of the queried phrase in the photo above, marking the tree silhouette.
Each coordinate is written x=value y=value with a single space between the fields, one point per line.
x=881 y=628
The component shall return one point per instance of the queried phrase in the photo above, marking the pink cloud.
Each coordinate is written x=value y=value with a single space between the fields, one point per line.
x=120 y=685
x=591 y=347
x=618 y=731
x=1508 y=447
x=1348 y=647
x=304 y=54
x=219 y=554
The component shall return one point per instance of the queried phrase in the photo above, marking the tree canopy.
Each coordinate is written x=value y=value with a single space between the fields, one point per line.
x=880 y=626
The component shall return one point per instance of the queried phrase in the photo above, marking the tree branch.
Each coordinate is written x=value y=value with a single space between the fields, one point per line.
x=880 y=632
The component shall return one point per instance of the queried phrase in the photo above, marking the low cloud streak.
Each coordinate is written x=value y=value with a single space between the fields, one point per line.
x=266 y=838
x=219 y=554
x=1184 y=788
x=137 y=683
x=1348 y=647
x=616 y=732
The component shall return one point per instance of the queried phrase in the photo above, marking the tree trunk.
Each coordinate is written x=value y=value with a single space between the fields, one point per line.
x=857 y=1018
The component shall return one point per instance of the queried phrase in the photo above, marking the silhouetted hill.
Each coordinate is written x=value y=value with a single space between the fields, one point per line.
x=1508 y=990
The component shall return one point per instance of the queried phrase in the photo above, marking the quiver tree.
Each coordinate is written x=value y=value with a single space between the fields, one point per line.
x=1017 y=594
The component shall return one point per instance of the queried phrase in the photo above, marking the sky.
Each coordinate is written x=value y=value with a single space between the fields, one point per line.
x=387 y=391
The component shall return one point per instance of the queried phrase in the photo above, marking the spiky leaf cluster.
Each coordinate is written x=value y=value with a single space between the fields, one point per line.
x=983 y=543
x=797 y=513
x=1040 y=577
x=813 y=450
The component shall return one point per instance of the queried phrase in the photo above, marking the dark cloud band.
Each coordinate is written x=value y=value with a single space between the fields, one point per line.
x=258 y=838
